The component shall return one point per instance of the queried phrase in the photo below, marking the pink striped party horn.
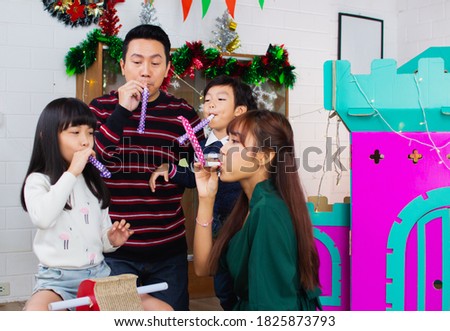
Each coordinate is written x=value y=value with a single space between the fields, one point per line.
x=145 y=95
x=190 y=132
x=101 y=167
x=204 y=122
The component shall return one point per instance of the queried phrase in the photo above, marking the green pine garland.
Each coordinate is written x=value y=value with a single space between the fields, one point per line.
x=81 y=57
x=273 y=66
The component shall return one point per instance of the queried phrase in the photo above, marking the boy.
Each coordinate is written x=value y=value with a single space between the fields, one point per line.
x=224 y=97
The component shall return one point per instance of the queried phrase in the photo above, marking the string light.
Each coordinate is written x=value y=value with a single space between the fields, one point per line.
x=85 y=80
x=432 y=146
x=336 y=158
x=318 y=110
x=192 y=87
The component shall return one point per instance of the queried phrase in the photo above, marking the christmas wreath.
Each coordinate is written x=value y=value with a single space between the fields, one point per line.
x=75 y=12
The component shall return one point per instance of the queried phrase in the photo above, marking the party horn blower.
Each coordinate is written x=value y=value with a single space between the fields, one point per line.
x=111 y=293
x=204 y=122
x=141 y=126
x=190 y=132
x=101 y=167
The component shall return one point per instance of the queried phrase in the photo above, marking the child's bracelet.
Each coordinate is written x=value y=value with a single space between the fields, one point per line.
x=204 y=224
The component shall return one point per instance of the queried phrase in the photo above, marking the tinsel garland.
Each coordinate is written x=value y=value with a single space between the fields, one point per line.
x=109 y=22
x=273 y=66
x=192 y=56
x=81 y=57
x=148 y=14
x=226 y=39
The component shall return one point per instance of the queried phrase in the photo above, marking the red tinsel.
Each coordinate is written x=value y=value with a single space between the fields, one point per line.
x=108 y=22
x=166 y=82
x=112 y=3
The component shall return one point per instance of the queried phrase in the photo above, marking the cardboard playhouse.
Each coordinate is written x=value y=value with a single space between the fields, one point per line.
x=399 y=216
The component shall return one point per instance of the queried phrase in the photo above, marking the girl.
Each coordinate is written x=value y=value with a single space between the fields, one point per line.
x=267 y=242
x=68 y=202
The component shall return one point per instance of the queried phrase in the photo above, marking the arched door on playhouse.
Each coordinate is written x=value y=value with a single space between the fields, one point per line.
x=330 y=269
x=418 y=259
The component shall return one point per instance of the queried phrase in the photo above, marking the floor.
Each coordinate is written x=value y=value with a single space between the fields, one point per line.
x=205 y=304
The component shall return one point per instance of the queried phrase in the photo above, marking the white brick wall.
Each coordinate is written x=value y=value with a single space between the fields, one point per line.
x=422 y=24
x=32 y=73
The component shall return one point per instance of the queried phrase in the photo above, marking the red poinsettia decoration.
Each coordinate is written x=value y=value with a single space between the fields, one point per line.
x=76 y=11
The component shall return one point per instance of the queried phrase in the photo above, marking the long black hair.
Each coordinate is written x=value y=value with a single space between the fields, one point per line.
x=273 y=132
x=46 y=157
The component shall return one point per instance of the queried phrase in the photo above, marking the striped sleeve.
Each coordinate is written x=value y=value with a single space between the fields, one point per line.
x=111 y=118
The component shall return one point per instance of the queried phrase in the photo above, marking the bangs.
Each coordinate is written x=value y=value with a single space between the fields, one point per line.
x=242 y=126
x=76 y=113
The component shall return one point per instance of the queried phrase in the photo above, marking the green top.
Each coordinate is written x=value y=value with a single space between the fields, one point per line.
x=262 y=257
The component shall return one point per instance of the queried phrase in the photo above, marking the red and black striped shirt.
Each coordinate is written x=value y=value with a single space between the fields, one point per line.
x=156 y=218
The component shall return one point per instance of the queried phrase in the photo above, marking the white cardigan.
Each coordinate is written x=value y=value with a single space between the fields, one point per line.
x=69 y=239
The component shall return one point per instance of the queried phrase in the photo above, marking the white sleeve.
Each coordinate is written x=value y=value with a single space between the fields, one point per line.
x=45 y=202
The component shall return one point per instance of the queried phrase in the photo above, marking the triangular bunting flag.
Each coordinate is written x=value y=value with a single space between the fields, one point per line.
x=231 y=4
x=205 y=6
x=186 y=8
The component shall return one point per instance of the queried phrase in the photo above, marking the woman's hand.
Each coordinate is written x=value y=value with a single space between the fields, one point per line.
x=119 y=233
x=207 y=181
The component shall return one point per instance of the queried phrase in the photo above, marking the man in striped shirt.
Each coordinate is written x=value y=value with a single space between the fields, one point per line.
x=157 y=251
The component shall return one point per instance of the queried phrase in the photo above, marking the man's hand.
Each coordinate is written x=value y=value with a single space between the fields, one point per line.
x=130 y=94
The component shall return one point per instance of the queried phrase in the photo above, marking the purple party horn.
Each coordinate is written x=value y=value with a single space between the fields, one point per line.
x=145 y=95
x=96 y=163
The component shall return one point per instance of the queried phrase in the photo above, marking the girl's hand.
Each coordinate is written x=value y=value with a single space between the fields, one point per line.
x=130 y=94
x=119 y=233
x=207 y=181
x=79 y=160
x=162 y=170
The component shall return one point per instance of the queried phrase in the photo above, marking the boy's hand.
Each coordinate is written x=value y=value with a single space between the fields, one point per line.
x=162 y=170
x=119 y=233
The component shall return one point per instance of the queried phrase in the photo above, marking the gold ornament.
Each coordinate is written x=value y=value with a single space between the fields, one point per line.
x=95 y=10
x=232 y=25
x=233 y=45
x=62 y=5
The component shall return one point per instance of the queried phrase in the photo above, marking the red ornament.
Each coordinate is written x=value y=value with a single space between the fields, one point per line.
x=76 y=11
x=197 y=64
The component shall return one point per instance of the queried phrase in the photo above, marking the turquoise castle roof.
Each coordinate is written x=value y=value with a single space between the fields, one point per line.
x=390 y=98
